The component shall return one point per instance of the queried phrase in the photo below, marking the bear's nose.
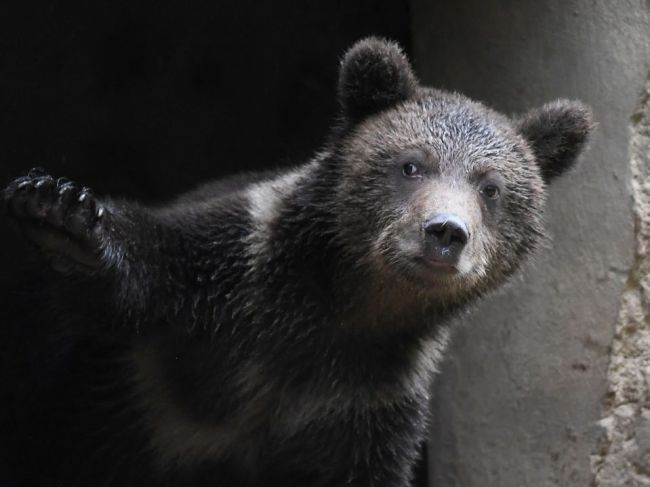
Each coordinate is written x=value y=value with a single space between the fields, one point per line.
x=449 y=233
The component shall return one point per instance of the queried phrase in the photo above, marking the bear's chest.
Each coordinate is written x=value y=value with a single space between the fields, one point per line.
x=253 y=407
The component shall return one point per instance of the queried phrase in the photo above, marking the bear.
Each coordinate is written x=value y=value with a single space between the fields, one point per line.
x=281 y=328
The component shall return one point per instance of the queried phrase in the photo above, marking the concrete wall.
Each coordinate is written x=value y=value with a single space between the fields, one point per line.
x=547 y=383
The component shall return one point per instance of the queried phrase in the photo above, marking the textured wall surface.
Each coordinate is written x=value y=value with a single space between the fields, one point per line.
x=623 y=454
x=547 y=382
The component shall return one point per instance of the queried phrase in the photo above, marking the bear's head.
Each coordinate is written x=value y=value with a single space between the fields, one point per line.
x=435 y=191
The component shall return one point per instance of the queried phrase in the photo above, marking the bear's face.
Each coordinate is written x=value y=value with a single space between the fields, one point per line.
x=441 y=192
x=445 y=190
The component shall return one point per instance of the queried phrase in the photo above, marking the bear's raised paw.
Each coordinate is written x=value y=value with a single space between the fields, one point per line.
x=60 y=216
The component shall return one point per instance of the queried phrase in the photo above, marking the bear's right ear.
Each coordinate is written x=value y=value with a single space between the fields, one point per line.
x=374 y=75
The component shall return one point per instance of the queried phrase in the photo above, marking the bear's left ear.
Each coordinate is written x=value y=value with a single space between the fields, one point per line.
x=556 y=132
x=375 y=75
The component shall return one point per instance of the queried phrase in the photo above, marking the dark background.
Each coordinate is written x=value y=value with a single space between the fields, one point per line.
x=149 y=99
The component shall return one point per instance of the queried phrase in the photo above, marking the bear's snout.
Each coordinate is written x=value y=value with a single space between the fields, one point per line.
x=446 y=236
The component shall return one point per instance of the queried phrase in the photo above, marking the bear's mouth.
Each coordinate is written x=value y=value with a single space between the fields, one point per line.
x=436 y=266
x=428 y=273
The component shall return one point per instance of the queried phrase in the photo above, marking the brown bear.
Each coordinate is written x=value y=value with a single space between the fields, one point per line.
x=283 y=328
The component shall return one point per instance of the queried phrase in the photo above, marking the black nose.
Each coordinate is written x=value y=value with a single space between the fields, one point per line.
x=449 y=230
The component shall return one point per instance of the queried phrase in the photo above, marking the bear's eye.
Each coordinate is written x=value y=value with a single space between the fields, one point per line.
x=410 y=170
x=491 y=191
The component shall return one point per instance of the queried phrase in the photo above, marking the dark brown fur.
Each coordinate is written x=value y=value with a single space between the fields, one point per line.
x=281 y=329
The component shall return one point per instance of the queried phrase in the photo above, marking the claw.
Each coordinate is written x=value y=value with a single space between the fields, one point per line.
x=60 y=182
x=24 y=184
x=43 y=181
x=65 y=188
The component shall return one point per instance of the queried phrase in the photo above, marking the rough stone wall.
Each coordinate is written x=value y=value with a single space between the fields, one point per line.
x=623 y=453
x=523 y=395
